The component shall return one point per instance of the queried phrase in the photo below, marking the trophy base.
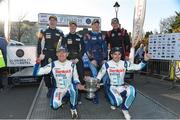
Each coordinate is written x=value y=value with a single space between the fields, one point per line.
x=90 y=95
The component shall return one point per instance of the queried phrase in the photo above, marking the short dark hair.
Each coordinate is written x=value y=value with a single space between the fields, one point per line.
x=53 y=16
x=116 y=49
x=72 y=22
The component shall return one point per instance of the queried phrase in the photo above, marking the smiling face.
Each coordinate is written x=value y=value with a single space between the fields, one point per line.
x=95 y=27
x=62 y=55
x=72 y=28
x=116 y=56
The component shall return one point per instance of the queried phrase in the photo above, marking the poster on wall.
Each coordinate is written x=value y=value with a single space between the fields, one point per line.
x=164 y=46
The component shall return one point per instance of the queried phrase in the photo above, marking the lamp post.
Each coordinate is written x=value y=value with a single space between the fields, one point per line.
x=116 y=6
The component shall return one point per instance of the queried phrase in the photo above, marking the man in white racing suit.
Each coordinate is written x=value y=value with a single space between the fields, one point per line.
x=113 y=71
x=65 y=80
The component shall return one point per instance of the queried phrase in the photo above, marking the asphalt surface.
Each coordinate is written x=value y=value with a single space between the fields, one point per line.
x=160 y=91
x=15 y=102
x=142 y=108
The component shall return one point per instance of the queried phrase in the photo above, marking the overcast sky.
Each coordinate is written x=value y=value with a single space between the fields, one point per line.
x=155 y=10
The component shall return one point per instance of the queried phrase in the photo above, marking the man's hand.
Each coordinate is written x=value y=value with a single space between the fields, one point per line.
x=42 y=56
x=80 y=87
x=38 y=61
x=75 y=61
x=39 y=35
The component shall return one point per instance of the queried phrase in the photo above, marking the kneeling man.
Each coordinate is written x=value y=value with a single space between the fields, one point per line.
x=65 y=80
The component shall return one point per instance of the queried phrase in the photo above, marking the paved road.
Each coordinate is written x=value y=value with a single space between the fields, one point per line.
x=142 y=108
x=15 y=102
x=160 y=90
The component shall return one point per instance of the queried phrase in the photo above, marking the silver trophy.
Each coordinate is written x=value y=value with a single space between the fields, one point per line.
x=91 y=87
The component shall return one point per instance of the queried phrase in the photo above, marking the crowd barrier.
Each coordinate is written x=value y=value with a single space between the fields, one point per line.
x=163 y=68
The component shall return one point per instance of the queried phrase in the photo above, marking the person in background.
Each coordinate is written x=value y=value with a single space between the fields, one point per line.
x=2 y=69
x=139 y=55
x=47 y=43
x=65 y=80
x=75 y=45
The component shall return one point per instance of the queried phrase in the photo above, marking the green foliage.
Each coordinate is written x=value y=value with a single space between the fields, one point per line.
x=176 y=24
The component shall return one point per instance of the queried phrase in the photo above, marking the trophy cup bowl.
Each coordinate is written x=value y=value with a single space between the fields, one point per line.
x=91 y=87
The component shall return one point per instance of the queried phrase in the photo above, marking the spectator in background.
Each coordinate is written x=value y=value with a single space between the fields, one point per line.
x=2 y=64
x=3 y=69
x=139 y=55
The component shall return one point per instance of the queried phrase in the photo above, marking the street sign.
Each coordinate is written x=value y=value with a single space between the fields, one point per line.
x=63 y=20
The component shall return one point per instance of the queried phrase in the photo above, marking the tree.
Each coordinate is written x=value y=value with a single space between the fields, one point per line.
x=145 y=40
x=18 y=29
x=176 y=24
x=165 y=24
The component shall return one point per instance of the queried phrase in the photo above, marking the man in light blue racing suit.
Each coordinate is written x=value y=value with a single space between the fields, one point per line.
x=117 y=91
x=65 y=80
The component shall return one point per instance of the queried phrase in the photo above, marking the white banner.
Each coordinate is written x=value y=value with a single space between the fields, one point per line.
x=21 y=56
x=138 y=20
x=63 y=20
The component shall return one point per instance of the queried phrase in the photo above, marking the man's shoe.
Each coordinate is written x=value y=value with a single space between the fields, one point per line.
x=113 y=107
x=74 y=114
x=126 y=114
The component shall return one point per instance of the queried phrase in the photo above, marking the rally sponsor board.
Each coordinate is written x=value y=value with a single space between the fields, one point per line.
x=63 y=20
x=164 y=46
x=21 y=56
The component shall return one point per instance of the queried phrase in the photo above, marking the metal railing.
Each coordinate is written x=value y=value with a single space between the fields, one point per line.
x=158 y=67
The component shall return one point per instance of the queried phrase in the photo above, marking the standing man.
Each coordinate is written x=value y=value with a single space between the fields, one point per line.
x=76 y=47
x=96 y=49
x=118 y=37
x=48 y=40
x=65 y=80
